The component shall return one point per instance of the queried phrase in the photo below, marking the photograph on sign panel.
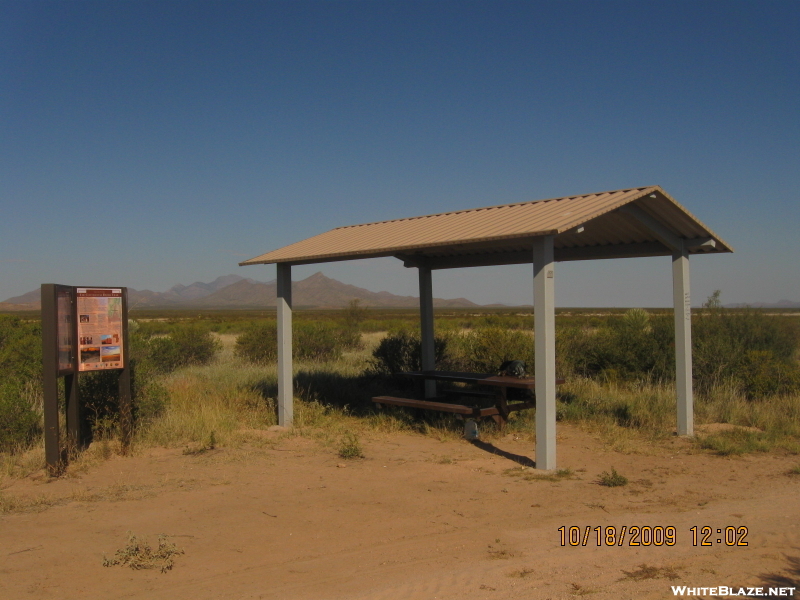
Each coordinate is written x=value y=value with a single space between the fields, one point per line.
x=90 y=354
x=109 y=354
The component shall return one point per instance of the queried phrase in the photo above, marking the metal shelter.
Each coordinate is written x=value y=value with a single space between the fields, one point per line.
x=628 y=223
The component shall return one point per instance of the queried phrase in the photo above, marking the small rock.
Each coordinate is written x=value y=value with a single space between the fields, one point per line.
x=341 y=466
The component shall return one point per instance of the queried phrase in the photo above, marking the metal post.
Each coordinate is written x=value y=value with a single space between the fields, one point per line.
x=73 y=411
x=52 y=450
x=683 y=340
x=426 y=327
x=125 y=401
x=545 y=347
x=285 y=387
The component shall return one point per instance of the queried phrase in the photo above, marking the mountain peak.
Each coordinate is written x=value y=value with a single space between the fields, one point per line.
x=318 y=276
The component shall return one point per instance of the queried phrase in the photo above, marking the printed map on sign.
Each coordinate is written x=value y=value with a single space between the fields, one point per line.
x=100 y=328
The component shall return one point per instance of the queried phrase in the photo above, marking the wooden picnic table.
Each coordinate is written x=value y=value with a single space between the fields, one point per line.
x=500 y=384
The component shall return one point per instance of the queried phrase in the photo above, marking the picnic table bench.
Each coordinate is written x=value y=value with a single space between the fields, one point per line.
x=499 y=394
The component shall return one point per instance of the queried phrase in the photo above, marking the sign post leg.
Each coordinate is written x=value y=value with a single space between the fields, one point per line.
x=52 y=450
x=73 y=405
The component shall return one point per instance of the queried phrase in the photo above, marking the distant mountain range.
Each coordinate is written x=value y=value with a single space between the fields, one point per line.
x=233 y=291
x=317 y=291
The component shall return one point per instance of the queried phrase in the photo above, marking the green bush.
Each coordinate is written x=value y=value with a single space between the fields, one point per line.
x=190 y=345
x=484 y=349
x=751 y=350
x=323 y=341
x=259 y=343
x=403 y=352
x=20 y=382
x=20 y=349
x=612 y=479
x=633 y=346
x=20 y=422
x=355 y=315
x=754 y=351
x=311 y=341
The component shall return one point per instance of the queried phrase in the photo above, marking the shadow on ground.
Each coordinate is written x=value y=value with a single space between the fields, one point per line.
x=492 y=449
x=790 y=577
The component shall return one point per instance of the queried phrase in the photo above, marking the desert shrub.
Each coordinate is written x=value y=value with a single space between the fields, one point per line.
x=633 y=346
x=20 y=349
x=350 y=446
x=612 y=479
x=259 y=343
x=484 y=349
x=754 y=351
x=748 y=349
x=20 y=382
x=402 y=351
x=190 y=345
x=355 y=314
x=323 y=341
x=761 y=373
x=20 y=422
x=311 y=341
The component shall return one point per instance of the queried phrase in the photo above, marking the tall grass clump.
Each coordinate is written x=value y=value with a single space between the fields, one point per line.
x=223 y=398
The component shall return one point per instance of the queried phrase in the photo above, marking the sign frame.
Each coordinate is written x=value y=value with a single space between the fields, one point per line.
x=61 y=358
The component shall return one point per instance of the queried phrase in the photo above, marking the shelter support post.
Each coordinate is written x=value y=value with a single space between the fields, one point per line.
x=683 y=340
x=426 y=327
x=285 y=384
x=544 y=321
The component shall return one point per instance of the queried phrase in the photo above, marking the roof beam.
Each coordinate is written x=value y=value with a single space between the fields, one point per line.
x=661 y=233
x=520 y=257
x=698 y=244
x=635 y=250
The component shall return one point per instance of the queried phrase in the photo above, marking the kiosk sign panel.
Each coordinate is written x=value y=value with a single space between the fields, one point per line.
x=64 y=327
x=100 y=327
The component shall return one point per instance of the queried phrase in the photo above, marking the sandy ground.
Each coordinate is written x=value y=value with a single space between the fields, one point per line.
x=416 y=518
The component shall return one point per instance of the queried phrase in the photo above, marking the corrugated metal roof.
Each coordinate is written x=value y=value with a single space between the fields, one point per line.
x=509 y=228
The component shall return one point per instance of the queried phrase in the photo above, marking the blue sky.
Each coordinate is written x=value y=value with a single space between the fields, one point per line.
x=150 y=143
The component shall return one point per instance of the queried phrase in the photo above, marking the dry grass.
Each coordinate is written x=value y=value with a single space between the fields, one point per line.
x=235 y=402
x=645 y=571
x=138 y=554
x=636 y=416
x=20 y=463
x=117 y=492
x=529 y=474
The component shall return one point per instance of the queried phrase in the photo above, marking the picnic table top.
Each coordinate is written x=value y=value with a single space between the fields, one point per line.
x=525 y=383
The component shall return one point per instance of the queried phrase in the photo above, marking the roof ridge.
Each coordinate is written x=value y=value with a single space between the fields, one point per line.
x=466 y=210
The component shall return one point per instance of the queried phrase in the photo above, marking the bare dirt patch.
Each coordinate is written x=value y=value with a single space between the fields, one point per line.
x=415 y=518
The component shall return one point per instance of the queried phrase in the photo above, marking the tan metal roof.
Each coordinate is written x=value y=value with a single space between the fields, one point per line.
x=631 y=222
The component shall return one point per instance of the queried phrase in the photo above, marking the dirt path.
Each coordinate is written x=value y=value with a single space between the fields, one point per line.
x=417 y=518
